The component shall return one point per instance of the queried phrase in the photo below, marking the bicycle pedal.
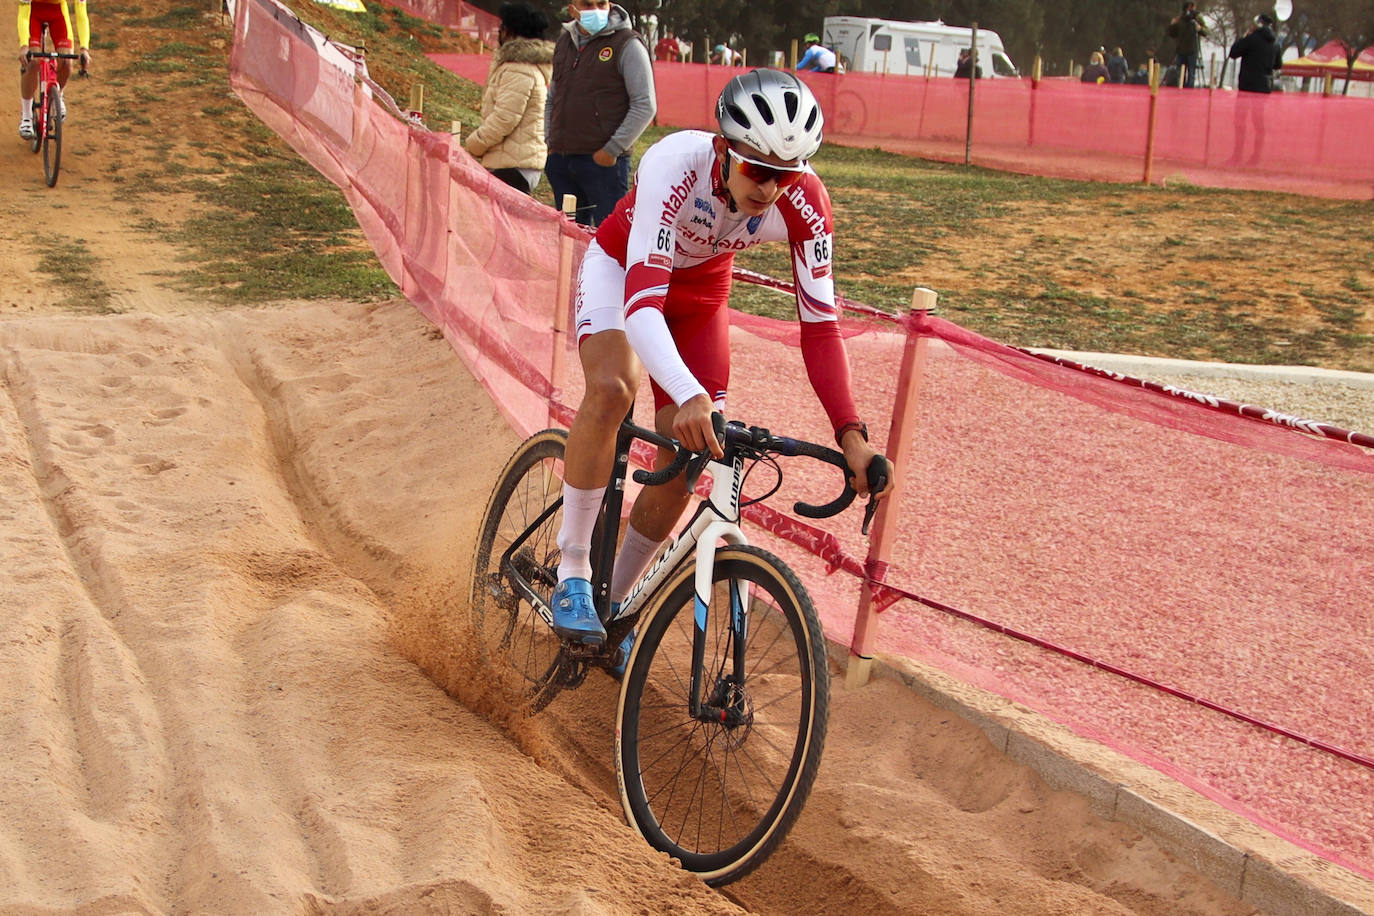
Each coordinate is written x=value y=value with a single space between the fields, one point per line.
x=580 y=651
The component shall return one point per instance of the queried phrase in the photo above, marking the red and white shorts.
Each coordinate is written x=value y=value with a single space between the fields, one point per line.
x=695 y=310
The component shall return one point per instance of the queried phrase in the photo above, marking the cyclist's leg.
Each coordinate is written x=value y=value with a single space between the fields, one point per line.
x=28 y=80
x=612 y=372
x=697 y=316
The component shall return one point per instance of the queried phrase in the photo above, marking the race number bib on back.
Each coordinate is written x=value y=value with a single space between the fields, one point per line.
x=818 y=256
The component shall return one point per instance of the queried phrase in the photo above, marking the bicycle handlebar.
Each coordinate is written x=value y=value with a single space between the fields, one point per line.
x=51 y=55
x=735 y=436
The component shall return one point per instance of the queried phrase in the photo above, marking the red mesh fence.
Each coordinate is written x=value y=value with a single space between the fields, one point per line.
x=457 y=15
x=1180 y=578
x=1303 y=143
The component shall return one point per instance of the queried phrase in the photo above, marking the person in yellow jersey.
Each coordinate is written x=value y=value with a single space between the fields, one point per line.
x=32 y=16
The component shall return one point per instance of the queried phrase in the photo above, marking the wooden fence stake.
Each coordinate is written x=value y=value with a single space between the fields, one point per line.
x=1150 y=127
x=562 y=301
x=865 y=642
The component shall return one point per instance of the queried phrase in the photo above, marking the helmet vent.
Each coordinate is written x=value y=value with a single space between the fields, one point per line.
x=764 y=108
x=811 y=119
x=791 y=101
x=738 y=116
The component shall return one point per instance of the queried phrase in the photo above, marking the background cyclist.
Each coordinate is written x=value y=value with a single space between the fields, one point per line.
x=654 y=287
x=32 y=15
x=817 y=57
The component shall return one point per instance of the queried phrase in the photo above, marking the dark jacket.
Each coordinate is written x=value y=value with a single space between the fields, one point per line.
x=1095 y=73
x=1185 y=30
x=1259 y=57
x=592 y=103
x=966 y=69
x=1117 y=68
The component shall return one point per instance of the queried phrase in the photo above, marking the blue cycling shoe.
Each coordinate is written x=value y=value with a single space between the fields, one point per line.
x=618 y=669
x=574 y=613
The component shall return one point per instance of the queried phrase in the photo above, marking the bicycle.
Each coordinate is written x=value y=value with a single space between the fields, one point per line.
x=47 y=109
x=723 y=704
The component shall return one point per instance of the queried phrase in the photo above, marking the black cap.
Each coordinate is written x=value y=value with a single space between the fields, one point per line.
x=1264 y=19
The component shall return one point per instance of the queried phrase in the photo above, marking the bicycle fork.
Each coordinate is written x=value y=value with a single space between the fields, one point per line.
x=724 y=702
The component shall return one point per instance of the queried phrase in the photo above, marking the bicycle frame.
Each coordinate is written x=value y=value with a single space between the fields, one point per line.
x=47 y=134
x=716 y=519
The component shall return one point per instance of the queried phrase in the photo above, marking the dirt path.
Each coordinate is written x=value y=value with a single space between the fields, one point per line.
x=235 y=543
x=234 y=548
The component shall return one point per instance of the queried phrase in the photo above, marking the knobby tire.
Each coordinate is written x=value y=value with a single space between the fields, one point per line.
x=52 y=135
x=511 y=635
x=721 y=798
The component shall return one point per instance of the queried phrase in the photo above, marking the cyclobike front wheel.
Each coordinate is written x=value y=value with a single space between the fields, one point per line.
x=525 y=507
x=52 y=134
x=719 y=791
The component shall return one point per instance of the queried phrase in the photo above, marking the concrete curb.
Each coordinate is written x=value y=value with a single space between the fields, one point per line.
x=1241 y=858
x=1150 y=366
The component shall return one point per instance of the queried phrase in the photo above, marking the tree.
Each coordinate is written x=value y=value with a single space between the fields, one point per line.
x=1349 y=21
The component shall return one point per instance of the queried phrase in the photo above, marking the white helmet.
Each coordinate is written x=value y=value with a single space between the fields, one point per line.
x=772 y=111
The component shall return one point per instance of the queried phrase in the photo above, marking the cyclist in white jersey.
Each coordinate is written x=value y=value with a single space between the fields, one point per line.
x=654 y=289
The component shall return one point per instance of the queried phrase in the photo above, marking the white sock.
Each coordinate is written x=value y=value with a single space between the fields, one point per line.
x=580 y=508
x=635 y=553
x=26 y=108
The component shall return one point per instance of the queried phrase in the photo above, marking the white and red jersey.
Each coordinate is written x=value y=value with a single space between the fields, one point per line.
x=678 y=186
x=675 y=232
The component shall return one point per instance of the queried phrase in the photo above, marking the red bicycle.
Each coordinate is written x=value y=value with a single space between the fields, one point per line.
x=47 y=108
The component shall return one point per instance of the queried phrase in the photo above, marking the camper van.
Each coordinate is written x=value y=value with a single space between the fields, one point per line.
x=911 y=48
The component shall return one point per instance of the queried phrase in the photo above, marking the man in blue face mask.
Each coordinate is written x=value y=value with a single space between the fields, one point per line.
x=600 y=100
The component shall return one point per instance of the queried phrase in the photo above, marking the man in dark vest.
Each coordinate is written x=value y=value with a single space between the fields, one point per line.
x=600 y=100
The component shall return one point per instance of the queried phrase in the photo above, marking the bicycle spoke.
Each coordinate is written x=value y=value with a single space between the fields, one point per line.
x=512 y=635
x=720 y=792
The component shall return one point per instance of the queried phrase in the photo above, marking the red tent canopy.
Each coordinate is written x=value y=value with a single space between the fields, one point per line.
x=1331 y=58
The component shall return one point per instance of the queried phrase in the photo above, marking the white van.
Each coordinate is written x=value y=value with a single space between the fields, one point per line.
x=911 y=48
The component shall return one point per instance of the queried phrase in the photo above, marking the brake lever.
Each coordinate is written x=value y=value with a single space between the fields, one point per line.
x=870 y=510
x=877 y=473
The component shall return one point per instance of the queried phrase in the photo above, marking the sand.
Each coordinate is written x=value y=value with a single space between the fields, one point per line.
x=237 y=548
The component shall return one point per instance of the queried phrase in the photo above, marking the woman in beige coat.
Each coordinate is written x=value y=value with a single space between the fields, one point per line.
x=510 y=140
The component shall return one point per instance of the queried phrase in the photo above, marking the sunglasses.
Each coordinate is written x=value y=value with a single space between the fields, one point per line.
x=762 y=172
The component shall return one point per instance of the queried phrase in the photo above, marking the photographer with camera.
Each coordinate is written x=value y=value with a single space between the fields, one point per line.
x=1187 y=30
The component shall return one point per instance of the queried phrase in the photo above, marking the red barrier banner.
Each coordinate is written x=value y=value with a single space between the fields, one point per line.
x=1127 y=560
x=1297 y=142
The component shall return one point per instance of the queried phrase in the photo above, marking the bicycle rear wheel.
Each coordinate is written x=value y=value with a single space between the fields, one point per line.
x=52 y=134
x=720 y=795
x=511 y=634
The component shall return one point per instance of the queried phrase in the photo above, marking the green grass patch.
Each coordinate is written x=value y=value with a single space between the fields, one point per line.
x=72 y=268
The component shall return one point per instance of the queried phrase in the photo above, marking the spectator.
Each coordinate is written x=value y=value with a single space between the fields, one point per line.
x=966 y=68
x=1141 y=76
x=1259 y=56
x=817 y=57
x=1096 y=71
x=600 y=100
x=726 y=56
x=510 y=140
x=1117 y=68
x=1187 y=30
x=668 y=48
